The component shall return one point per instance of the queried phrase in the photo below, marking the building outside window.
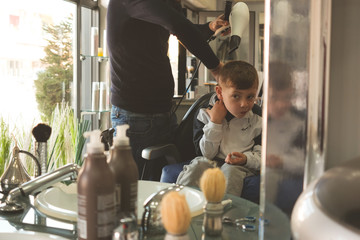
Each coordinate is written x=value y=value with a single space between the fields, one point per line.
x=23 y=58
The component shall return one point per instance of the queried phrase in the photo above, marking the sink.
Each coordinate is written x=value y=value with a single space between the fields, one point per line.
x=28 y=236
x=60 y=201
x=329 y=208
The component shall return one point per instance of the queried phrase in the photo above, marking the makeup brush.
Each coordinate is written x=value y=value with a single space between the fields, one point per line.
x=175 y=216
x=213 y=185
x=41 y=133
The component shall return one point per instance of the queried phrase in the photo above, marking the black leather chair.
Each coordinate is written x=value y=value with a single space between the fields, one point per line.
x=183 y=148
x=183 y=151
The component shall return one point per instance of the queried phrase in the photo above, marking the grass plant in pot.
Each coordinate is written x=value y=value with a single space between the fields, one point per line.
x=5 y=144
x=66 y=142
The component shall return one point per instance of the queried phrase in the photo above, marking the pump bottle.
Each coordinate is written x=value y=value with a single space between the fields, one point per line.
x=124 y=168
x=95 y=187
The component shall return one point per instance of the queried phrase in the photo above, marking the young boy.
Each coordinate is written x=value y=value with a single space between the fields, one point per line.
x=228 y=133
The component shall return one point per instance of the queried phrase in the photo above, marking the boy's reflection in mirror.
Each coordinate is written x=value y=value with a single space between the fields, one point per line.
x=285 y=150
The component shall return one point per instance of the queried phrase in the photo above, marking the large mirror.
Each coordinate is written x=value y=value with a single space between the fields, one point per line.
x=284 y=69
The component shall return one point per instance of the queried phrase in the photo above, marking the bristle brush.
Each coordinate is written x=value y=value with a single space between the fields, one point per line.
x=175 y=216
x=41 y=132
x=213 y=185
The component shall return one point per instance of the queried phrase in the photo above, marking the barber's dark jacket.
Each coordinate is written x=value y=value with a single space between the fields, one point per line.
x=137 y=37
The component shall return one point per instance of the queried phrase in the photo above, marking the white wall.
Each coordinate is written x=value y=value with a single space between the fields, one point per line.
x=344 y=91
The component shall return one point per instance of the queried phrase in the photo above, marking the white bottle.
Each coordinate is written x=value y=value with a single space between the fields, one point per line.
x=95 y=188
x=103 y=96
x=104 y=44
x=95 y=98
x=94 y=41
x=124 y=168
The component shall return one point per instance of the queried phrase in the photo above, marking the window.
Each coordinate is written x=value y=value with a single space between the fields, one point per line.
x=13 y=68
x=34 y=49
x=40 y=68
x=14 y=21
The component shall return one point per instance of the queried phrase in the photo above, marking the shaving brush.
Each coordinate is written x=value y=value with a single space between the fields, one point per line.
x=41 y=133
x=175 y=216
x=213 y=185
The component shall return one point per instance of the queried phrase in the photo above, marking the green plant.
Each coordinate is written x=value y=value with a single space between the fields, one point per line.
x=82 y=127
x=25 y=141
x=66 y=141
x=65 y=144
x=5 y=144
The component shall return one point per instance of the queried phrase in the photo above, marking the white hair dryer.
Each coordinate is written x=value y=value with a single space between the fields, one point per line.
x=239 y=22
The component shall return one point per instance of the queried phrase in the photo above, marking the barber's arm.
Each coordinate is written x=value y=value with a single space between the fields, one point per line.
x=161 y=13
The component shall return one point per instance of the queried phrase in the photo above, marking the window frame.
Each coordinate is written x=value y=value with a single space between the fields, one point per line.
x=92 y=5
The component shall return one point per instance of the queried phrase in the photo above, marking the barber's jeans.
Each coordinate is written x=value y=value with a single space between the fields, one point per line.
x=146 y=130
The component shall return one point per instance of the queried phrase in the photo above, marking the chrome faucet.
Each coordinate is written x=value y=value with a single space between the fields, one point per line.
x=36 y=185
x=151 y=219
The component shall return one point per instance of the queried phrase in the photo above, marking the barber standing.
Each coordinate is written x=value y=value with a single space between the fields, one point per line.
x=142 y=85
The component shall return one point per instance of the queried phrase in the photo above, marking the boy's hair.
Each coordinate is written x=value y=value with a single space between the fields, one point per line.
x=239 y=74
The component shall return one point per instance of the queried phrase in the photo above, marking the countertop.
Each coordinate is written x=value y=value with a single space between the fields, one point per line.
x=33 y=220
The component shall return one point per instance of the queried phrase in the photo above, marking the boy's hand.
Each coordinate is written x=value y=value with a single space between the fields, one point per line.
x=274 y=161
x=218 y=112
x=236 y=158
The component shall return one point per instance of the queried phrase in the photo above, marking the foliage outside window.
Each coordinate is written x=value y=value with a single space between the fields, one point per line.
x=53 y=83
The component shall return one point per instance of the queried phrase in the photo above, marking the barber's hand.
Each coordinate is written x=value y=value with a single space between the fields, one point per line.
x=236 y=158
x=218 y=23
x=218 y=112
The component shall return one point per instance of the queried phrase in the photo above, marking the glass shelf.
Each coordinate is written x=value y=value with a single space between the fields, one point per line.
x=95 y=111
x=99 y=58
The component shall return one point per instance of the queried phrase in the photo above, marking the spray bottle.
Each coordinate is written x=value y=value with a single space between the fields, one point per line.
x=95 y=187
x=124 y=168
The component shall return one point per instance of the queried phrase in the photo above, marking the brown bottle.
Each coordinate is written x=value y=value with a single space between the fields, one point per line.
x=95 y=187
x=125 y=171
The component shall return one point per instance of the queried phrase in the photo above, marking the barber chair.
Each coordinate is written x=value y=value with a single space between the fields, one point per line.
x=182 y=151
x=183 y=148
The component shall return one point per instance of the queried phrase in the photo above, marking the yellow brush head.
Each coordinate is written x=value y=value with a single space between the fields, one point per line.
x=213 y=184
x=175 y=213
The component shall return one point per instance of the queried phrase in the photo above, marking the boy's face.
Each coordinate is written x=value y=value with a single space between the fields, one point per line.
x=279 y=102
x=237 y=101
